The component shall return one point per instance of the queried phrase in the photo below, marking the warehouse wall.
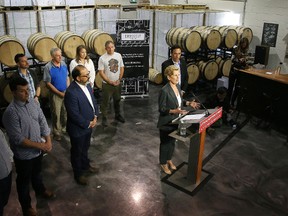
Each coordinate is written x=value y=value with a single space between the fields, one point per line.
x=254 y=13
x=259 y=12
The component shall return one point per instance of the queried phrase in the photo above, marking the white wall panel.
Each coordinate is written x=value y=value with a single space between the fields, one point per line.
x=53 y=21
x=81 y=20
x=222 y=18
x=2 y=24
x=22 y=24
x=148 y=15
x=79 y=3
x=106 y=19
x=48 y=2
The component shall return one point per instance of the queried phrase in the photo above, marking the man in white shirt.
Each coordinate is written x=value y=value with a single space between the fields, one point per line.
x=111 y=69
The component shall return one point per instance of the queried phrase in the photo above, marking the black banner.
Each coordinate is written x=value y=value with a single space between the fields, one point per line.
x=132 y=41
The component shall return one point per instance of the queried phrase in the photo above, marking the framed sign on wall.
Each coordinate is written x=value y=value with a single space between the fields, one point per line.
x=269 y=34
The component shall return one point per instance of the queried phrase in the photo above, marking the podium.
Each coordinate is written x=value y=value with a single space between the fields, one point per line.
x=189 y=176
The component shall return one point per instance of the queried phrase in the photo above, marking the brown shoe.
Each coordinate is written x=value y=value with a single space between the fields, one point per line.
x=30 y=212
x=171 y=165
x=47 y=194
x=82 y=180
x=165 y=169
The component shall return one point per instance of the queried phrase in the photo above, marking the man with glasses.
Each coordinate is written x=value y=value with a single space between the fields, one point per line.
x=57 y=81
x=82 y=111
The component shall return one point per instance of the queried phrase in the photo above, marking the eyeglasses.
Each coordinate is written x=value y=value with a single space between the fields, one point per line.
x=85 y=76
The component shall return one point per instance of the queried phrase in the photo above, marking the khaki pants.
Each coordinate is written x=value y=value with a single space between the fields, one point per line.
x=109 y=91
x=58 y=114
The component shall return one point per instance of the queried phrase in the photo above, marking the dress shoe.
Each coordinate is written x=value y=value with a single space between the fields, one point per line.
x=30 y=212
x=104 y=122
x=82 y=180
x=92 y=170
x=57 y=137
x=171 y=165
x=165 y=169
x=47 y=194
x=120 y=118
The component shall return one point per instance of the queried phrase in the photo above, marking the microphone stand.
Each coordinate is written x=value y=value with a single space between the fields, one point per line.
x=207 y=113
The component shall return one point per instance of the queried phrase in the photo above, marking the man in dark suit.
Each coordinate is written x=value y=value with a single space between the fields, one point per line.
x=82 y=111
x=178 y=62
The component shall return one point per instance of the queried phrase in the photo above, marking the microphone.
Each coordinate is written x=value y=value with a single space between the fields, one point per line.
x=207 y=113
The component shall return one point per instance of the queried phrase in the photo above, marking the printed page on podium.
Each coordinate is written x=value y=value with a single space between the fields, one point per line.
x=191 y=117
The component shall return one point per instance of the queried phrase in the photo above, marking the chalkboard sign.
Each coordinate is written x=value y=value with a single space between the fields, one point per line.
x=269 y=34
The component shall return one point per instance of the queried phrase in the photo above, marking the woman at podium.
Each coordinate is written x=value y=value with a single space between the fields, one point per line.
x=170 y=104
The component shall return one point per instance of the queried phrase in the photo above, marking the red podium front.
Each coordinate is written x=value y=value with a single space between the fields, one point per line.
x=190 y=175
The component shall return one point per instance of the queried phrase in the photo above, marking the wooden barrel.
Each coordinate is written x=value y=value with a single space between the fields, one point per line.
x=211 y=38
x=95 y=40
x=186 y=38
x=39 y=46
x=229 y=36
x=98 y=81
x=243 y=31
x=193 y=73
x=68 y=42
x=225 y=66
x=208 y=69
x=155 y=76
x=5 y=92
x=9 y=47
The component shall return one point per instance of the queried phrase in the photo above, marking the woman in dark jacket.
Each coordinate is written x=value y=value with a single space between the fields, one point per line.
x=170 y=107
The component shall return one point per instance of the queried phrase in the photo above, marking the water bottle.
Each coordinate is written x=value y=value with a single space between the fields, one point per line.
x=182 y=128
x=278 y=69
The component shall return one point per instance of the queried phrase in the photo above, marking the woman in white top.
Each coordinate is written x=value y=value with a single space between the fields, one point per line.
x=83 y=59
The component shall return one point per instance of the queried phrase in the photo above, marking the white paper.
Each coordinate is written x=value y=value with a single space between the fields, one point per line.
x=193 y=117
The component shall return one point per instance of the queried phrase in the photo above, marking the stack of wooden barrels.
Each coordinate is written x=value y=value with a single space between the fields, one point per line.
x=208 y=38
x=39 y=46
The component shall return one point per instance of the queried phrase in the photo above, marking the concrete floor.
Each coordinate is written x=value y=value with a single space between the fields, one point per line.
x=250 y=170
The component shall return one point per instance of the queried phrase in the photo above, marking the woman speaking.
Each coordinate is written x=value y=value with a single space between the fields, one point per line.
x=170 y=107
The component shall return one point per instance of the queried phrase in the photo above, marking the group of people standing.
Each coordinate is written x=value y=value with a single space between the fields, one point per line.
x=74 y=110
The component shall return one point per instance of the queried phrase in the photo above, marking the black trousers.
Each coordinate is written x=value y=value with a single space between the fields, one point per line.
x=5 y=189
x=79 y=154
x=167 y=145
x=28 y=170
x=233 y=88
